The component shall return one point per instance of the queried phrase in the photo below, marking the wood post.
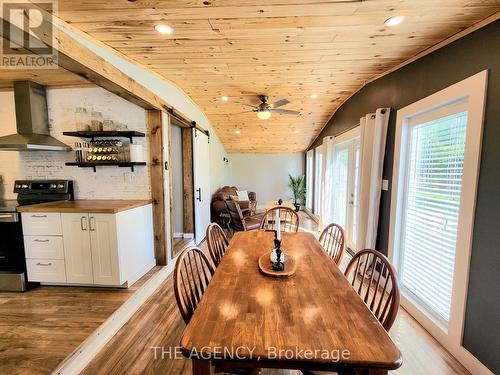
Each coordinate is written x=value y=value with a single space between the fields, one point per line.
x=157 y=163
x=188 y=181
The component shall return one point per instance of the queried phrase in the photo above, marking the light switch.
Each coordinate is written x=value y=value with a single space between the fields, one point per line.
x=385 y=185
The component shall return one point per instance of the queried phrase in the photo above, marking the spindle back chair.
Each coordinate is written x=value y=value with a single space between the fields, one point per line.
x=192 y=275
x=289 y=219
x=333 y=241
x=217 y=243
x=374 y=278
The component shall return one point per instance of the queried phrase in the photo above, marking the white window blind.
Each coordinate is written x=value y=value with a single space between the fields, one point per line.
x=431 y=209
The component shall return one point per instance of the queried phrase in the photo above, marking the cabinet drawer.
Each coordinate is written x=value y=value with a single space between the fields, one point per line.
x=42 y=224
x=46 y=270
x=44 y=247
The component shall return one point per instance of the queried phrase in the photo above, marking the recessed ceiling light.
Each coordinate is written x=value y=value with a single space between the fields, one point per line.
x=237 y=131
x=224 y=98
x=393 y=21
x=314 y=96
x=296 y=131
x=164 y=29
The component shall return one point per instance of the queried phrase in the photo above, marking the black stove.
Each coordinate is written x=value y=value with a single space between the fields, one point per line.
x=12 y=259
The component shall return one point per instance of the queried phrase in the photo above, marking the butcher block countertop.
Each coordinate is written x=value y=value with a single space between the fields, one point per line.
x=95 y=206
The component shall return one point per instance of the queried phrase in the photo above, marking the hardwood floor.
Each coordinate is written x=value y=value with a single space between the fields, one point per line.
x=180 y=244
x=41 y=327
x=158 y=323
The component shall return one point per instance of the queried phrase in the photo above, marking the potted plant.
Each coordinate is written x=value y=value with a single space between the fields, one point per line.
x=298 y=186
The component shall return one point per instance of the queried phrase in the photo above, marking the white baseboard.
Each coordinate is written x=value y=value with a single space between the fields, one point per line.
x=178 y=235
x=87 y=350
x=188 y=235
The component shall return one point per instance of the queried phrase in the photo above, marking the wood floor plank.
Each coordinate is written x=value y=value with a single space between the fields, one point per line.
x=41 y=327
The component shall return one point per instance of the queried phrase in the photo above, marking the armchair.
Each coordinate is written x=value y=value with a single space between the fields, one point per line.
x=219 y=205
x=241 y=217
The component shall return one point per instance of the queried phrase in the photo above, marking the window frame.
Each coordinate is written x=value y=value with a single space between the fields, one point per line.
x=473 y=90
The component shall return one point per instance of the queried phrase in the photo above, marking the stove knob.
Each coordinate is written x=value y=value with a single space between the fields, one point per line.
x=53 y=186
x=18 y=186
x=24 y=186
x=60 y=186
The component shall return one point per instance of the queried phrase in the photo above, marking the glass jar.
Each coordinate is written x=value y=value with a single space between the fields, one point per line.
x=96 y=121
x=81 y=119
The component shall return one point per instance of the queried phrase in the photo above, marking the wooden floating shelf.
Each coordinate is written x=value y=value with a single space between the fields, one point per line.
x=116 y=133
x=122 y=164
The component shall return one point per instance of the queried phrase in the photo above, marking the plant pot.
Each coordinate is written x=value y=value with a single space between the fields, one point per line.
x=297 y=207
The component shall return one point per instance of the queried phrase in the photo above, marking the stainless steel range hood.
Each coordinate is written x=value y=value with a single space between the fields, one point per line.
x=32 y=121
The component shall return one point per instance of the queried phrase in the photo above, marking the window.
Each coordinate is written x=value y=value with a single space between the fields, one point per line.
x=318 y=167
x=436 y=165
x=345 y=184
x=309 y=179
x=430 y=220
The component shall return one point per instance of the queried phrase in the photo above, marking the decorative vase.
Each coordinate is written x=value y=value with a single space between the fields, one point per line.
x=297 y=207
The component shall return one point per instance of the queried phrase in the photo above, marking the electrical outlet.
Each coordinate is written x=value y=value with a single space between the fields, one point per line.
x=385 y=185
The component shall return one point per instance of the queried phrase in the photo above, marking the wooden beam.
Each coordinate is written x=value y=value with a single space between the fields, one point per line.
x=168 y=123
x=187 y=178
x=80 y=60
x=156 y=128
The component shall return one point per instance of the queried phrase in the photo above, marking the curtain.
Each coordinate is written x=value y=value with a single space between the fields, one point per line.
x=326 y=196
x=372 y=150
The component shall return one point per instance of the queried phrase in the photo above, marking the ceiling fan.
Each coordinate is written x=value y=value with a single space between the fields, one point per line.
x=264 y=109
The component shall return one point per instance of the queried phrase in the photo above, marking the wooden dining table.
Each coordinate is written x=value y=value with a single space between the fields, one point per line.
x=312 y=320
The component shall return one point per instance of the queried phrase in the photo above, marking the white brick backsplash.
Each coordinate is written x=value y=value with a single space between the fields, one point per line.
x=108 y=182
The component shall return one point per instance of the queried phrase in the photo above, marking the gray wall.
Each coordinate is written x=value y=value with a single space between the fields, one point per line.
x=438 y=70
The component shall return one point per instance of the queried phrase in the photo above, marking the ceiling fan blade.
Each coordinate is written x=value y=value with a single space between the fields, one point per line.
x=246 y=104
x=280 y=103
x=285 y=111
x=239 y=113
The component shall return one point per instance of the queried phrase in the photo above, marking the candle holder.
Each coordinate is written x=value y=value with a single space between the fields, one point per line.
x=279 y=265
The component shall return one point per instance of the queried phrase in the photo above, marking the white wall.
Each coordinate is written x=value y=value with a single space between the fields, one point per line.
x=177 y=183
x=266 y=174
x=175 y=97
x=107 y=182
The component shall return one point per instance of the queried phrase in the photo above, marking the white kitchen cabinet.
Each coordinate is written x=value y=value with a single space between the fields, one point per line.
x=77 y=253
x=109 y=249
x=103 y=244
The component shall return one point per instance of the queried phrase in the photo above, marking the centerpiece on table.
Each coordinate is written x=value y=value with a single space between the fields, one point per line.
x=276 y=263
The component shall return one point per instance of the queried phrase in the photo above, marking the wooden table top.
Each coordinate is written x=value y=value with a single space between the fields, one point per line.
x=315 y=309
x=111 y=206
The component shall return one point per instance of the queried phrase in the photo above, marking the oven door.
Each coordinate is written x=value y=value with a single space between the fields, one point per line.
x=11 y=244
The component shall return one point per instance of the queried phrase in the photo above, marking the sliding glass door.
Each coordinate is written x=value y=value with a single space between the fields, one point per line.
x=318 y=167
x=345 y=187
x=309 y=179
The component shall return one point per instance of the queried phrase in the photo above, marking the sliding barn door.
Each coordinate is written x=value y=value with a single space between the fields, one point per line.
x=201 y=184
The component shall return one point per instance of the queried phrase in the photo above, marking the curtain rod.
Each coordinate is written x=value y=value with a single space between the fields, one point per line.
x=358 y=124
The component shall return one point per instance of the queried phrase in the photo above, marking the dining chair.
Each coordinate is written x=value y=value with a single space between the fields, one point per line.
x=289 y=219
x=374 y=278
x=241 y=219
x=217 y=243
x=333 y=241
x=192 y=274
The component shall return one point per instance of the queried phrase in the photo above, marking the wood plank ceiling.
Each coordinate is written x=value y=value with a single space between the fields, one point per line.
x=283 y=48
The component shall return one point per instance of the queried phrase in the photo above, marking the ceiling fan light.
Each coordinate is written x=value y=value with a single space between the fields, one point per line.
x=264 y=115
